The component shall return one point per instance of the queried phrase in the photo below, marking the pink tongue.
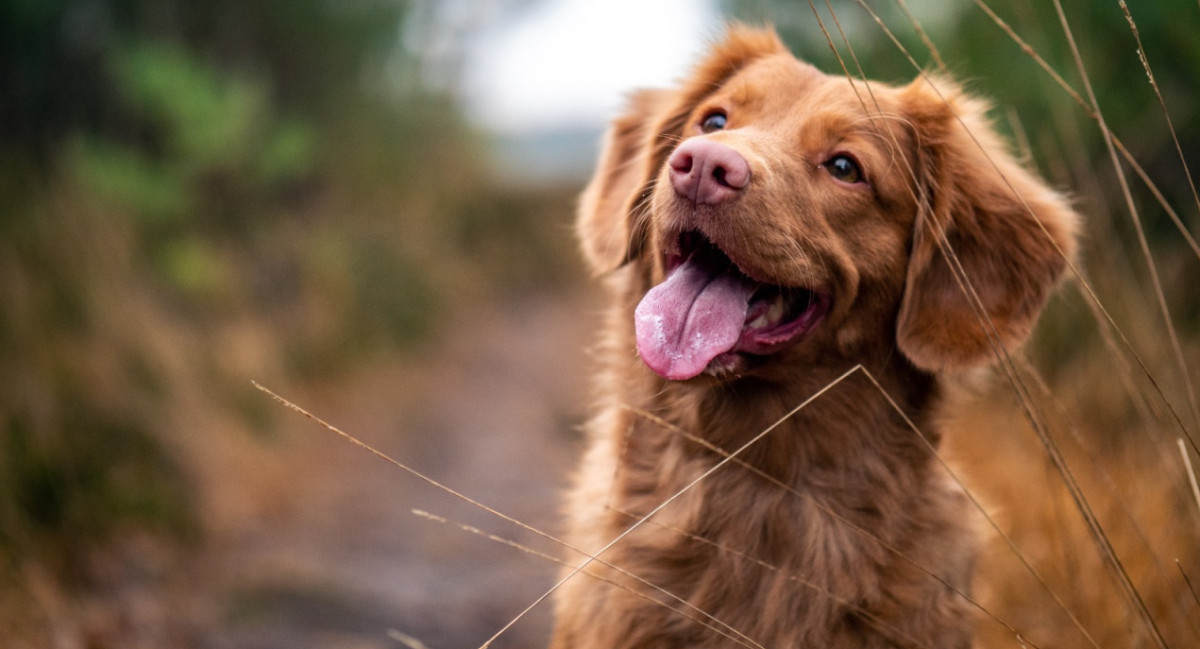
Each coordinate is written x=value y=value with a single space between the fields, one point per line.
x=695 y=315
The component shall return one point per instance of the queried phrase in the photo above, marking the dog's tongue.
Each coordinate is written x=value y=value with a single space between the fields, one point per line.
x=695 y=315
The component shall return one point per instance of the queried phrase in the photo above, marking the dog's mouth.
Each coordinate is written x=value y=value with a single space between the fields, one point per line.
x=708 y=312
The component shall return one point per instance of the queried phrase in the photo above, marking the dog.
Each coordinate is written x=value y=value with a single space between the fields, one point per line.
x=796 y=262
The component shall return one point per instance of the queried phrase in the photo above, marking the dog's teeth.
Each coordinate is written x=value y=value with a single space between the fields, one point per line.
x=759 y=322
x=775 y=313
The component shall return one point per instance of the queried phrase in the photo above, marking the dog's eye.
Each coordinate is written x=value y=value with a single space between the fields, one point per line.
x=844 y=168
x=714 y=121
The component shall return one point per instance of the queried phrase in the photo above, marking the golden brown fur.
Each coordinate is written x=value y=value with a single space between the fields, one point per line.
x=836 y=529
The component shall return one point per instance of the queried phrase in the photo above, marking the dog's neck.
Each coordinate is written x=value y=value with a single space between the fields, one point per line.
x=831 y=419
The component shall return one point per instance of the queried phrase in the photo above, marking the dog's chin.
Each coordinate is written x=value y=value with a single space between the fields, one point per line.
x=731 y=366
x=755 y=320
x=734 y=365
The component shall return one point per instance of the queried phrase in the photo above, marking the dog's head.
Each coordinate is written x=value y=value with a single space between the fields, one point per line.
x=779 y=213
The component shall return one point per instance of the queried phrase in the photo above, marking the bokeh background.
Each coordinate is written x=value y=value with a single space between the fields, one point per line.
x=366 y=207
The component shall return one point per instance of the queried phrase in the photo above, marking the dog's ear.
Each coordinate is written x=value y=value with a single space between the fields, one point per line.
x=639 y=141
x=990 y=239
x=606 y=209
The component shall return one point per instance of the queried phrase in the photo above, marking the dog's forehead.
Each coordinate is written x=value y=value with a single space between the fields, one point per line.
x=775 y=75
x=785 y=84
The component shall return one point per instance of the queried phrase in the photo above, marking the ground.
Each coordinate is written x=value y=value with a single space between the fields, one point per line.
x=339 y=559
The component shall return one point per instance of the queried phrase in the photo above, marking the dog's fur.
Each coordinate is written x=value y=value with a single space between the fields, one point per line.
x=838 y=528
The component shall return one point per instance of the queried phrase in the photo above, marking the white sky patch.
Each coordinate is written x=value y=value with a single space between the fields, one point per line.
x=570 y=63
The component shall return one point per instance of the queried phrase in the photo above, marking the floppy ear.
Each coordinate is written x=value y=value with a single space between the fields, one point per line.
x=638 y=143
x=605 y=222
x=981 y=213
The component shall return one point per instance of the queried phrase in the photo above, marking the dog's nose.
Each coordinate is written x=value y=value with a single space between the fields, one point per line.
x=708 y=172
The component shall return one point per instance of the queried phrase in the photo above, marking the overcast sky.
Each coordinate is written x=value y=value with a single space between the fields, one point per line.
x=568 y=63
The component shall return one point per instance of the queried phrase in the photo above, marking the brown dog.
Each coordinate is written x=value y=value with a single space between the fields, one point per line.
x=766 y=228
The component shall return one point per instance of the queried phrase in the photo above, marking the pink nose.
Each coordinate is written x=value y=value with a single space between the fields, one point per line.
x=707 y=172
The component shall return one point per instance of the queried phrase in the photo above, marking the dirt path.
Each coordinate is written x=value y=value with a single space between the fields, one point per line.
x=341 y=558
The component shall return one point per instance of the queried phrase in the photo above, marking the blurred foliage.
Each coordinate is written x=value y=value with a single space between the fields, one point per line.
x=196 y=194
x=65 y=497
x=205 y=129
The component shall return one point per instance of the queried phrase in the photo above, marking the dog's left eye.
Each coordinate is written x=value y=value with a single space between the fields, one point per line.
x=713 y=122
x=845 y=169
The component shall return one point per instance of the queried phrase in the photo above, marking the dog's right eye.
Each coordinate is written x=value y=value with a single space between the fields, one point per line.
x=714 y=121
x=845 y=169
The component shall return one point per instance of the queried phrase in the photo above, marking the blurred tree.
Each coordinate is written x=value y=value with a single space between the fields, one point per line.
x=56 y=55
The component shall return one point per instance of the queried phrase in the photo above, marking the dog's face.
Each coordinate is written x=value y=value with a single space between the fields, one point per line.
x=781 y=214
